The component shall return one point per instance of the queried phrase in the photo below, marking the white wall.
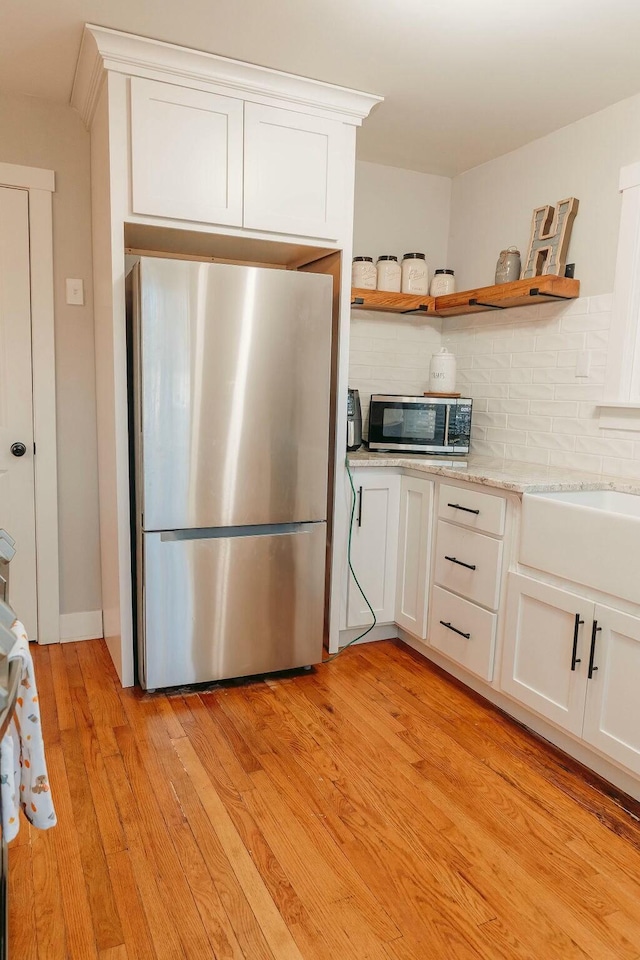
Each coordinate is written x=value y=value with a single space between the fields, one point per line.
x=520 y=365
x=39 y=133
x=491 y=205
x=396 y=212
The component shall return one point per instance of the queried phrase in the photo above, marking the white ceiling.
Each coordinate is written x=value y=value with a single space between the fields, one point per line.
x=463 y=80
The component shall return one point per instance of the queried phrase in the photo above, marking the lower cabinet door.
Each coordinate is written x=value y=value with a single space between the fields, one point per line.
x=414 y=544
x=612 y=714
x=463 y=632
x=546 y=650
x=374 y=548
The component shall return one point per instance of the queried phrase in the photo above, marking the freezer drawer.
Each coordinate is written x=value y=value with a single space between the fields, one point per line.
x=219 y=606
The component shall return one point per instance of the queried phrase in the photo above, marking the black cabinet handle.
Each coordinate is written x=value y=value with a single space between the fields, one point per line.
x=592 y=653
x=469 y=566
x=574 y=658
x=456 y=506
x=467 y=636
x=360 y=506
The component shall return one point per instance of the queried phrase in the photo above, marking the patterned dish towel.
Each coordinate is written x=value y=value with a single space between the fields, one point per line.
x=23 y=770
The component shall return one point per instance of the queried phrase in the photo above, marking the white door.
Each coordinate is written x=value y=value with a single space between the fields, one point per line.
x=414 y=548
x=374 y=548
x=186 y=153
x=17 y=508
x=612 y=714
x=294 y=167
x=546 y=650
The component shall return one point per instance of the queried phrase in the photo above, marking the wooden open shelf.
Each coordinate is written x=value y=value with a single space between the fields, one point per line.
x=392 y=302
x=519 y=293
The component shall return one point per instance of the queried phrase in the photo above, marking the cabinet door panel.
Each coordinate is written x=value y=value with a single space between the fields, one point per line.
x=452 y=618
x=374 y=549
x=416 y=498
x=538 y=645
x=293 y=172
x=612 y=714
x=186 y=153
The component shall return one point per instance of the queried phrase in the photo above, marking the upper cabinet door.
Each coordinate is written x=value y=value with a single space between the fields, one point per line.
x=293 y=172
x=186 y=153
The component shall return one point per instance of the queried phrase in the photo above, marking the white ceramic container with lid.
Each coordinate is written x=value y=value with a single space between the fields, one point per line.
x=389 y=274
x=363 y=273
x=443 y=282
x=442 y=372
x=415 y=276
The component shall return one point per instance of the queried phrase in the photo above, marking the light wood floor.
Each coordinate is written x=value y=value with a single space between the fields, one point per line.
x=373 y=810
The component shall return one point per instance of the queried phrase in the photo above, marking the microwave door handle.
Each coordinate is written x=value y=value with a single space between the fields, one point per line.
x=447 y=415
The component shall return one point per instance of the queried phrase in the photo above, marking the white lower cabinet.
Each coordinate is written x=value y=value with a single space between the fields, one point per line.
x=575 y=662
x=463 y=632
x=374 y=547
x=414 y=547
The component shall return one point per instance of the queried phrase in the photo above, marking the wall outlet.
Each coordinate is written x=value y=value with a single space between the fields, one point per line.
x=583 y=363
x=75 y=292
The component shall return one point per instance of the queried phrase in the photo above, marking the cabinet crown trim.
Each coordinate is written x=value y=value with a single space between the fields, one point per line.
x=104 y=49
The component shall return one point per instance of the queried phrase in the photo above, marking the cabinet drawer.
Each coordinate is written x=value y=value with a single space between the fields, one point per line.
x=468 y=563
x=475 y=651
x=480 y=511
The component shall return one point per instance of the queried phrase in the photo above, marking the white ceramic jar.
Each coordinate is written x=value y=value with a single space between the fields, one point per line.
x=415 y=276
x=442 y=283
x=363 y=273
x=389 y=274
x=442 y=372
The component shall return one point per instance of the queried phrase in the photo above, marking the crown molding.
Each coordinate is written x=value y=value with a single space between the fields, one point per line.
x=103 y=49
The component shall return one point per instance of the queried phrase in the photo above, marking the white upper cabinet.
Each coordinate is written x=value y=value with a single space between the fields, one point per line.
x=186 y=153
x=294 y=168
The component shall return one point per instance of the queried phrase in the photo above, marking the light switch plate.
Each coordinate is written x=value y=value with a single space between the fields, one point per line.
x=75 y=292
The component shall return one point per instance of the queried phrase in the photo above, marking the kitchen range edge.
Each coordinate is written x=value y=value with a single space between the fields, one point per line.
x=470 y=564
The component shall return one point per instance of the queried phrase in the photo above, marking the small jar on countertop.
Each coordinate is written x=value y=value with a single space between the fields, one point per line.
x=415 y=276
x=363 y=273
x=508 y=265
x=443 y=282
x=389 y=274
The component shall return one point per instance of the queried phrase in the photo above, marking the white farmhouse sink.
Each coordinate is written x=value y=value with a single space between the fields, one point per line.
x=590 y=537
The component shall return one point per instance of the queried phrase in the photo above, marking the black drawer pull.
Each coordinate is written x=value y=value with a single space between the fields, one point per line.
x=592 y=653
x=467 y=636
x=574 y=653
x=469 y=566
x=359 y=506
x=456 y=506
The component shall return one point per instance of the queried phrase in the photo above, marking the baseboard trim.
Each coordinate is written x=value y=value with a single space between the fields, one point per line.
x=86 y=625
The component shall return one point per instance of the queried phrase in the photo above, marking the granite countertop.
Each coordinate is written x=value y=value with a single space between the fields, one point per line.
x=512 y=475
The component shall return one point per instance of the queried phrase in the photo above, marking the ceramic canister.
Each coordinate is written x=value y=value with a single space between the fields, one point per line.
x=442 y=372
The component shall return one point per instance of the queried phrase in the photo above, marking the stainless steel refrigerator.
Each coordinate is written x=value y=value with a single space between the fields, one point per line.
x=231 y=370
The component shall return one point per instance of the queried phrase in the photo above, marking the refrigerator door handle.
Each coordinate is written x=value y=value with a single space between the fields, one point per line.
x=251 y=530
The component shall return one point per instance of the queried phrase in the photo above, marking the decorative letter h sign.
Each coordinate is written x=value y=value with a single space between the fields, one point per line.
x=550 y=233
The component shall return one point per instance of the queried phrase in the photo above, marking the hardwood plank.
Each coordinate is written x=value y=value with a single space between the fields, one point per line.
x=22 y=924
x=135 y=928
x=59 y=675
x=108 y=818
x=275 y=930
x=102 y=693
x=67 y=842
x=47 y=898
x=115 y=953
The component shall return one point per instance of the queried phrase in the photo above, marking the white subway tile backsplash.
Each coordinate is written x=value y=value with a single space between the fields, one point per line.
x=517 y=375
x=508 y=406
x=514 y=451
x=551 y=441
x=518 y=365
x=546 y=358
x=553 y=408
x=527 y=423
x=561 y=341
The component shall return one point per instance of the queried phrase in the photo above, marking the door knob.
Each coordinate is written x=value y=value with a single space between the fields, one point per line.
x=18 y=449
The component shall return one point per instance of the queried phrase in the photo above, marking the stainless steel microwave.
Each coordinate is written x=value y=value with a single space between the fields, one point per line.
x=420 y=424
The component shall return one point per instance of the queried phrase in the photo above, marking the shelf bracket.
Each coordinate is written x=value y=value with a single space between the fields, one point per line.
x=357 y=302
x=489 y=306
x=423 y=308
x=535 y=292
